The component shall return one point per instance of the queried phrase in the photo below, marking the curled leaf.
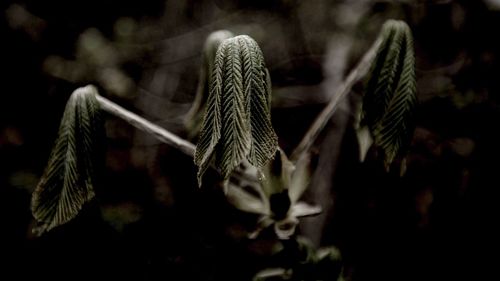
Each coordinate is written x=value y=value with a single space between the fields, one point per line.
x=68 y=181
x=194 y=117
x=237 y=123
x=390 y=96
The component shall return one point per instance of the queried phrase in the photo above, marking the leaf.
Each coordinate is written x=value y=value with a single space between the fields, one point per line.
x=301 y=177
x=285 y=228
x=237 y=124
x=235 y=142
x=390 y=96
x=277 y=174
x=212 y=123
x=257 y=84
x=69 y=178
x=365 y=141
x=245 y=201
x=302 y=209
x=194 y=117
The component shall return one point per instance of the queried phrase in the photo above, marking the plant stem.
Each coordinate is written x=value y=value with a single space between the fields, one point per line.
x=167 y=137
x=345 y=88
x=146 y=126
x=188 y=148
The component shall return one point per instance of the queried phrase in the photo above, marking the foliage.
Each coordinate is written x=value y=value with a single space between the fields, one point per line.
x=237 y=124
x=69 y=179
x=276 y=199
x=309 y=264
x=390 y=95
x=194 y=117
x=236 y=138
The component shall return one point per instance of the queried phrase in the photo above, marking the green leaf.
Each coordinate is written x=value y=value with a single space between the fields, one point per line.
x=194 y=117
x=281 y=174
x=257 y=84
x=212 y=122
x=237 y=123
x=247 y=202
x=236 y=137
x=277 y=174
x=68 y=181
x=301 y=176
x=390 y=96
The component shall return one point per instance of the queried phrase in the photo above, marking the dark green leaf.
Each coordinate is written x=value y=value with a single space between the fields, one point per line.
x=237 y=124
x=390 y=95
x=212 y=122
x=236 y=137
x=194 y=117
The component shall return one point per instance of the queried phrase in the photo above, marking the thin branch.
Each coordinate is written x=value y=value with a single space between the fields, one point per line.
x=345 y=88
x=242 y=173
x=146 y=126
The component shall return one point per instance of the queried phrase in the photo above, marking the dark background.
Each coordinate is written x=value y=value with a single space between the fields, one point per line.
x=149 y=222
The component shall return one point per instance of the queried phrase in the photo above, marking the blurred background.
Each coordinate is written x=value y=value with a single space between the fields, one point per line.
x=149 y=221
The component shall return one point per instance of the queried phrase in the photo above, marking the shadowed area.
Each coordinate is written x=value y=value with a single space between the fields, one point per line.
x=150 y=221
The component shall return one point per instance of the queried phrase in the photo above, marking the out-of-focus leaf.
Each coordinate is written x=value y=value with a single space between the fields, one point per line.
x=365 y=141
x=310 y=264
x=390 y=96
x=301 y=177
x=277 y=174
x=245 y=201
x=194 y=117
x=302 y=209
x=268 y=273
x=281 y=186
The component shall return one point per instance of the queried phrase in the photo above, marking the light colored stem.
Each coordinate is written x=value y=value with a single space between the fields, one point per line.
x=146 y=126
x=164 y=136
x=307 y=141
x=319 y=123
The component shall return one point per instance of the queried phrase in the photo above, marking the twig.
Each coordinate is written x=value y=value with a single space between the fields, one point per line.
x=357 y=73
x=169 y=138
x=188 y=148
x=146 y=126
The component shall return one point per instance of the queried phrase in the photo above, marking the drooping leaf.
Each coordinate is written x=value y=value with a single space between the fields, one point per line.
x=212 y=122
x=69 y=178
x=257 y=87
x=236 y=137
x=390 y=95
x=194 y=117
x=237 y=123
